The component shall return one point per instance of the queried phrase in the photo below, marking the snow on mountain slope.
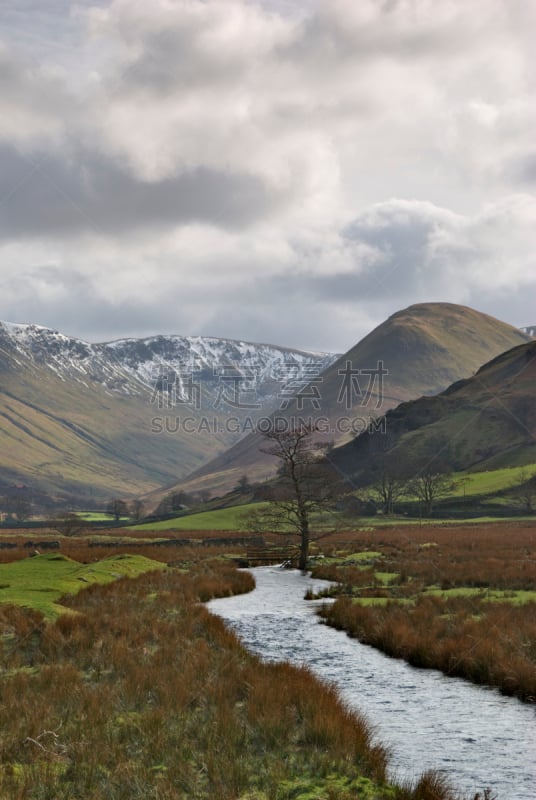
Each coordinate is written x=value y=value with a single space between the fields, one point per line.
x=224 y=368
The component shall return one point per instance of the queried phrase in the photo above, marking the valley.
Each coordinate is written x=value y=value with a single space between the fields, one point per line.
x=423 y=523
x=458 y=592
x=267 y=400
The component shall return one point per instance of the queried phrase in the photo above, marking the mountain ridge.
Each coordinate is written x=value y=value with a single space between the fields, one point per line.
x=140 y=357
x=486 y=421
x=77 y=416
x=426 y=347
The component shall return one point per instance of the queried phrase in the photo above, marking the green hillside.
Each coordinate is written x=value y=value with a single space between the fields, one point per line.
x=487 y=422
x=222 y=519
x=425 y=348
x=61 y=436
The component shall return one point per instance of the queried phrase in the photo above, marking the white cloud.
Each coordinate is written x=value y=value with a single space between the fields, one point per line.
x=235 y=160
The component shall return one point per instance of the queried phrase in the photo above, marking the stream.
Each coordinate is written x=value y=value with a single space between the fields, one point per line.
x=475 y=736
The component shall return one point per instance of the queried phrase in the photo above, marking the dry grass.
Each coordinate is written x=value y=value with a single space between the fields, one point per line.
x=143 y=694
x=448 y=624
x=493 y=644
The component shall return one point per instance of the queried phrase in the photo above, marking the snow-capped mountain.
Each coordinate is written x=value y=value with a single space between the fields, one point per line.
x=126 y=417
x=530 y=330
x=223 y=372
x=110 y=418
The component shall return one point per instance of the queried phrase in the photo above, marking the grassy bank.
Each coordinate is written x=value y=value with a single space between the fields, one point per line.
x=39 y=582
x=462 y=600
x=143 y=694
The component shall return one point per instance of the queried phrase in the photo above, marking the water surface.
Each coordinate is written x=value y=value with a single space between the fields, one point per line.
x=477 y=737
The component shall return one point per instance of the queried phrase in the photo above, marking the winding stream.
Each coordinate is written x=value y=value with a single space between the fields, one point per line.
x=477 y=737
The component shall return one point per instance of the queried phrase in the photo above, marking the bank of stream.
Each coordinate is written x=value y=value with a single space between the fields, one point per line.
x=477 y=737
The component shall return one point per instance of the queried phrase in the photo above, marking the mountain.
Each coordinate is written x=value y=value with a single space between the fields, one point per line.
x=530 y=330
x=485 y=422
x=423 y=348
x=101 y=419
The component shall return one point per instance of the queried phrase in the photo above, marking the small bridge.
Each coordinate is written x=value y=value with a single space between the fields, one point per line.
x=259 y=556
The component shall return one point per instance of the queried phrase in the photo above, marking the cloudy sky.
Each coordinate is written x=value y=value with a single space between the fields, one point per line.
x=289 y=171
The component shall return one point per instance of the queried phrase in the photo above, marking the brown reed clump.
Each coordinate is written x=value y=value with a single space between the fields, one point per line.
x=468 y=637
x=141 y=693
x=469 y=631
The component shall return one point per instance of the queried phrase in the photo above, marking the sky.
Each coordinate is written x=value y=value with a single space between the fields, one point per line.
x=282 y=171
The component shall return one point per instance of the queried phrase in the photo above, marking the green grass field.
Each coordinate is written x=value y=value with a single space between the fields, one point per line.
x=235 y=519
x=97 y=516
x=222 y=519
x=39 y=582
x=497 y=480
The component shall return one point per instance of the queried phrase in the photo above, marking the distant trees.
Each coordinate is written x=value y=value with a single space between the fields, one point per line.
x=175 y=501
x=117 y=508
x=390 y=483
x=426 y=475
x=525 y=491
x=68 y=524
x=136 y=509
x=429 y=485
x=306 y=485
x=17 y=503
x=243 y=486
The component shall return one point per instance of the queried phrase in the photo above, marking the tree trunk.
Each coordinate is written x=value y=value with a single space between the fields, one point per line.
x=304 y=547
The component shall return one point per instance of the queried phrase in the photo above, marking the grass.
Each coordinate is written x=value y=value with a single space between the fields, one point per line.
x=459 y=599
x=223 y=519
x=492 y=481
x=143 y=695
x=98 y=516
x=491 y=595
x=235 y=519
x=39 y=582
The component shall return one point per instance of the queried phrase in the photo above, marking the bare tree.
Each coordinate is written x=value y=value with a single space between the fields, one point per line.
x=525 y=491
x=388 y=486
x=136 y=509
x=429 y=485
x=306 y=485
x=68 y=524
x=117 y=508
x=243 y=486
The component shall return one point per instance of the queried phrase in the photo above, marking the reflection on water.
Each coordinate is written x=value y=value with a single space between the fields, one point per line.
x=475 y=735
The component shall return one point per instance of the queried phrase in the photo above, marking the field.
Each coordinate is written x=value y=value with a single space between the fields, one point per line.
x=143 y=694
x=98 y=516
x=222 y=519
x=489 y=482
x=40 y=581
x=461 y=599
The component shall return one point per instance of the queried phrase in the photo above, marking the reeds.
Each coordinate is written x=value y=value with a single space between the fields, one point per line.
x=482 y=631
x=140 y=693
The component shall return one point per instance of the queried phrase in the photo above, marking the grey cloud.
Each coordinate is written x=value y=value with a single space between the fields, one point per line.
x=379 y=284
x=417 y=251
x=339 y=103
x=78 y=309
x=43 y=195
x=514 y=304
x=400 y=244
x=170 y=59
x=25 y=84
x=523 y=170
x=332 y=34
